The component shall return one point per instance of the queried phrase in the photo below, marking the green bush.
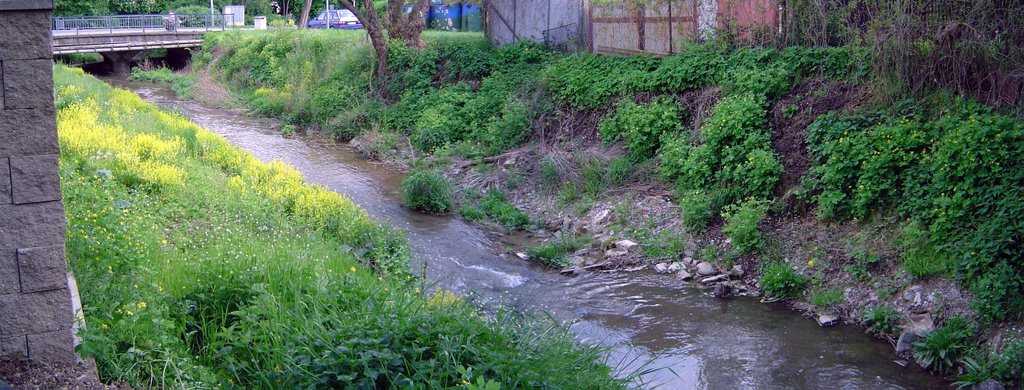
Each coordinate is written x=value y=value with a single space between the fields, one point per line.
x=948 y=173
x=427 y=191
x=941 y=348
x=548 y=177
x=497 y=206
x=642 y=126
x=697 y=211
x=472 y=213
x=882 y=321
x=741 y=222
x=551 y=255
x=780 y=281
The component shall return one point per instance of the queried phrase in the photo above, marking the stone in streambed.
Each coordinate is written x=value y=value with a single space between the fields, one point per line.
x=827 y=319
x=736 y=271
x=615 y=253
x=715 y=279
x=683 y=275
x=675 y=267
x=705 y=269
x=990 y=384
x=722 y=290
x=661 y=268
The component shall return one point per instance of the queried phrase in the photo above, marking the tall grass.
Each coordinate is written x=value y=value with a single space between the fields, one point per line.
x=202 y=267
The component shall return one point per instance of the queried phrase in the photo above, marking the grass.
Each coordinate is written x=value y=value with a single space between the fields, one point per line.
x=827 y=297
x=780 y=281
x=202 y=267
x=555 y=253
x=181 y=84
x=496 y=205
x=427 y=191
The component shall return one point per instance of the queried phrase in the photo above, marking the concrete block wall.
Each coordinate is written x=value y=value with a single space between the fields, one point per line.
x=35 y=302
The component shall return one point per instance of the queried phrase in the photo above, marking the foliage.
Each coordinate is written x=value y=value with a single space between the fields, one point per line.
x=954 y=174
x=180 y=84
x=427 y=191
x=780 y=281
x=240 y=274
x=882 y=321
x=641 y=126
x=826 y=297
x=941 y=348
x=497 y=206
x=741 y=222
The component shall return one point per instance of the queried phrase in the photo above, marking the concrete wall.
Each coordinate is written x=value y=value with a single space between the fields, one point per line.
x=554 y=22
x=35 y=301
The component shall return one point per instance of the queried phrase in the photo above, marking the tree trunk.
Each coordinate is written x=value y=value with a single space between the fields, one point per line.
x=407 y=27
x=305 y=14
x=371 y=22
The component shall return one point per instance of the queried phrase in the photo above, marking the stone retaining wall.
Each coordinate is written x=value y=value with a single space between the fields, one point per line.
x=35 y=302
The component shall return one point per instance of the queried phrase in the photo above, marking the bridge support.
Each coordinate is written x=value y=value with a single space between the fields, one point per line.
x=120 y=62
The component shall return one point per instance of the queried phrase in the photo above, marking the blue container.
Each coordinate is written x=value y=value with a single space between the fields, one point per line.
x=472 y=20
x=438 y=13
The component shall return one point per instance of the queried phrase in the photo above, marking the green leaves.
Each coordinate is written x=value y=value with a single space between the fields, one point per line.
x=642 y=126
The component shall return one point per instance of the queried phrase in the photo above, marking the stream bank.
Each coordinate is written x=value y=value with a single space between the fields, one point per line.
x=706 y=342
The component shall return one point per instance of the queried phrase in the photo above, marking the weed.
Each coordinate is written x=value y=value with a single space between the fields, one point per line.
x=882 y=321
x=496 y=205
x=941 y=348
x=549 y=176
x=697 y=211
x=827 y=297
x=780 y=281
x=568 y=193
x=741 y=225
x=641 y=126
x=427 y=191
x=472 y=213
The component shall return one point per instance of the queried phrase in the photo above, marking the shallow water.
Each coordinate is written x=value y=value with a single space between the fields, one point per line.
x=701 y=341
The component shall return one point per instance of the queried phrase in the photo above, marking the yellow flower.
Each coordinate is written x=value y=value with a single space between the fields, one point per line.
x=140 y=305
x=353 y=269
x=810 y=263
x=129 y=313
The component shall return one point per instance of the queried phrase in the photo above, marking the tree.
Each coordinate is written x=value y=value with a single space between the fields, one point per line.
x=404 y=27
x=305 y=14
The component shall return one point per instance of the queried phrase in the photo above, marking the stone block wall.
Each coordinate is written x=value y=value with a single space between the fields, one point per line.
x=35 y=302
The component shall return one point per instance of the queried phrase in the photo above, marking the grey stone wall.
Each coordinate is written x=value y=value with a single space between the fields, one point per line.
x=35 y=302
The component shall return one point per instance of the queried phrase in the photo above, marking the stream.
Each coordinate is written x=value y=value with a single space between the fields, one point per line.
x=698 y=341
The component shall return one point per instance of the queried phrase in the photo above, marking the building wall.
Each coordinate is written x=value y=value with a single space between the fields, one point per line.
x=35 y=301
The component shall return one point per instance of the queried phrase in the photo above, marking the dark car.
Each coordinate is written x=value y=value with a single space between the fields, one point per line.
x=339 y=18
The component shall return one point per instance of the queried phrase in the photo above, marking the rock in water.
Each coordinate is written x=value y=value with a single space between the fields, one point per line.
x=661 y=268
x=627 y=245
x=715 y=279
x=827 y=319
x=705 y=269
x=990 y=384
x=675 y=267
x=683 y=275
x=722 y=291
x=522 y=255
x=905 y=344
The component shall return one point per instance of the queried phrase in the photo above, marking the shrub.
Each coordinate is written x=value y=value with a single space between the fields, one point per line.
x=642 y=126
x=882 y=321
x=548 y=177
x=697 y=211
x=770 y=82
x=427 y=191
x=472 y=213
x=780 y=281
x=741 y=224
x=941 y=348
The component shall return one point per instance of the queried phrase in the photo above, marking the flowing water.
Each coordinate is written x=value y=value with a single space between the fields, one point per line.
x=701 y=341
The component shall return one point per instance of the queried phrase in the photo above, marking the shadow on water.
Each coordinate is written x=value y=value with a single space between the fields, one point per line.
x=702 y=342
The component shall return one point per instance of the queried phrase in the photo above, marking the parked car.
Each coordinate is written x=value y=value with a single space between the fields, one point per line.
x=340 y=18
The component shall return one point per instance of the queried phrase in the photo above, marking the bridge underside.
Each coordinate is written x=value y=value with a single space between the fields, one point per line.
x=120 y=49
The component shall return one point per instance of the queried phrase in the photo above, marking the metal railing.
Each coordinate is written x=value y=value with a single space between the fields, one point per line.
x=161 y=22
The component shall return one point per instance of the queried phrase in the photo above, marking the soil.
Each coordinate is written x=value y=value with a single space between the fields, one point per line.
x=25 y=375
x=207 y=91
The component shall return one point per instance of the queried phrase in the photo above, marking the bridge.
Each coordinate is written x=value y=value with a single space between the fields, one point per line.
x=119 y=38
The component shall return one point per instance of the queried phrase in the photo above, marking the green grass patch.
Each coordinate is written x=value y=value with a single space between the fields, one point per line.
x=427 y=191
x=181 y=84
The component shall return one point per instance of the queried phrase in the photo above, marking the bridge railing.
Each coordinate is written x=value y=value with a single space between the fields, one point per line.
x=159 y=22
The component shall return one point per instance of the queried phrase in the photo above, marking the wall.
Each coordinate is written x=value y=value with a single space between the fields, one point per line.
x=35 y=301
x=553 y=22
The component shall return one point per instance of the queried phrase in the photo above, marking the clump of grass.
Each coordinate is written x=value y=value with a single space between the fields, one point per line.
x=427 y=191
x=780 y=281
x=940 y=349
x=555 y=253
x=181 y=84
x=883 y=321
x=497 y=206
x=827 y=297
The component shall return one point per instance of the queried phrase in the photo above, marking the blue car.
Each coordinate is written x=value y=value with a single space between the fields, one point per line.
x=339 y=18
